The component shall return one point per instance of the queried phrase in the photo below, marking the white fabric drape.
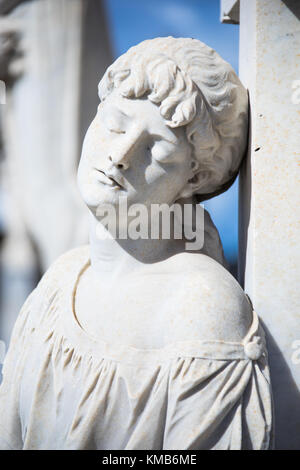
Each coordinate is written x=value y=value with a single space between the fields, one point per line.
x=63 y=389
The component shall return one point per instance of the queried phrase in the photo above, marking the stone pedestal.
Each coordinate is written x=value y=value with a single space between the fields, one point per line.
x=270 y=196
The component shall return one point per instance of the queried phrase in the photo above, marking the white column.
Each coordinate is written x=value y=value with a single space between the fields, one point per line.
x=270 y=195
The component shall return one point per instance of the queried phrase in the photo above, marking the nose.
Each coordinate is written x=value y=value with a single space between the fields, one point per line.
x=123 y=155
x=118 y=162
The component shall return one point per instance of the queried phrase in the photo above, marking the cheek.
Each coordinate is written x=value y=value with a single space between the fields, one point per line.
x=164 y=182
x=83 y=174
x=154 y=174
x=95 y=143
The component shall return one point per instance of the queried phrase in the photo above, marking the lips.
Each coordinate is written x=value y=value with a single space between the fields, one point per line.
x=107 y=178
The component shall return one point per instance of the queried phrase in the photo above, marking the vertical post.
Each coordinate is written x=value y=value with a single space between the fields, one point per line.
x=270 y=195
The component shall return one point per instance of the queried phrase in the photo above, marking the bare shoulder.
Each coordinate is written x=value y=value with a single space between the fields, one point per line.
x=208 y=302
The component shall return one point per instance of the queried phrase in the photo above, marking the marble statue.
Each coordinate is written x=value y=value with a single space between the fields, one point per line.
x=142 y=343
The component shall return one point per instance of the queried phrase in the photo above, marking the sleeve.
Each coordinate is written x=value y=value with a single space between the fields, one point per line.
x=10 y=424
x=218 y=405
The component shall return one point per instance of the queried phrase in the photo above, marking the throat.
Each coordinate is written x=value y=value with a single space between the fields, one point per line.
x=111 y=257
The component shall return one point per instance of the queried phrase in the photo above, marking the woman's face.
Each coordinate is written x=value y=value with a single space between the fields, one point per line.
x=130 y=152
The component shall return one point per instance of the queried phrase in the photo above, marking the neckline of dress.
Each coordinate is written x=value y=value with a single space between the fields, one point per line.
x=96 y=347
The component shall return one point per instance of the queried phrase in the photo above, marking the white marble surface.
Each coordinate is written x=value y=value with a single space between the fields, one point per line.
x=270 y=196
x=156 y=383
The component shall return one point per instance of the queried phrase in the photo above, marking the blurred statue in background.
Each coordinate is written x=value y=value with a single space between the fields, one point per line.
x=52 y=53
x=136 y=342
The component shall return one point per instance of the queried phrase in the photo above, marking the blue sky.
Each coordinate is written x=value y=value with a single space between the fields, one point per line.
x=132 y=21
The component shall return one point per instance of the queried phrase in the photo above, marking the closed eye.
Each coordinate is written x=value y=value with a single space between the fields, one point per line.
x=115 y=125
x=116 y=131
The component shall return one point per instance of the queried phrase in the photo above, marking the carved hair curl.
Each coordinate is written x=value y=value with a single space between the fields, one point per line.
x=193 y=87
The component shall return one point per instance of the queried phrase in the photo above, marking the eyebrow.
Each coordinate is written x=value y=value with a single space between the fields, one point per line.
x=119 y=111
x=116 y=112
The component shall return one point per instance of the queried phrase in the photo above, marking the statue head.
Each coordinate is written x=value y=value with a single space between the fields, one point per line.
x=171 y=124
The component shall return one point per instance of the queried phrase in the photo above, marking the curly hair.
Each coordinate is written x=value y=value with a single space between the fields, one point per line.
x=193 y=87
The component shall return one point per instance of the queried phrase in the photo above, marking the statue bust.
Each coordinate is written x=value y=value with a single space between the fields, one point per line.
x=139 y=342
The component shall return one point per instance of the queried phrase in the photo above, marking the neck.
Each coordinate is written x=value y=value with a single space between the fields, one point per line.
x=112 y=257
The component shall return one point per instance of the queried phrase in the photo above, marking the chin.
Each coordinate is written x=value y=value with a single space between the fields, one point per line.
x=98 y=197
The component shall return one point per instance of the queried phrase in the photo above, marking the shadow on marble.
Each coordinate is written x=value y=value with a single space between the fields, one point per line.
x=285 y=392
x=294 y=6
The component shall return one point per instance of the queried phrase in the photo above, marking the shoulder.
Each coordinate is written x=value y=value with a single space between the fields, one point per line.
x=65 y=266
x=68 y=262
x=53 y=285
x=208 y=302
x=37 y=309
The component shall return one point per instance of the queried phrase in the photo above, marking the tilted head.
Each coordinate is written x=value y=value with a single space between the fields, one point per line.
x=197 y=95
